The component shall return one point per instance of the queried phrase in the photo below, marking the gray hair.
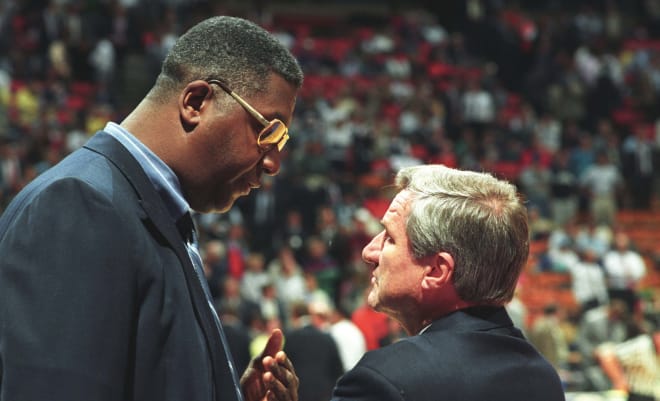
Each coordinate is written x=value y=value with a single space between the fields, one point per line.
x=229 y=48
x=478 y=219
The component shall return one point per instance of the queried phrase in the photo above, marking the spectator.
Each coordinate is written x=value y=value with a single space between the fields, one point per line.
x=633 y=366
x=479 y=107
x=563 y=255
x=254 y=278
x=232 y=302
x=596 y=237
x=536 y=183
x=588 y=281
x=322 y=265
x=214 y=255
x=564 y=190
x=638 y=166
x=314 y=354
x=624 y=267
x=350 y=340
x=548 y=337
x=611 y=322
x=286 y=274
x=603 y=184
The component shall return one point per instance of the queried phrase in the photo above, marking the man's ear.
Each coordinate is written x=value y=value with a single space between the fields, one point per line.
x=192 y=101
x=439 y=271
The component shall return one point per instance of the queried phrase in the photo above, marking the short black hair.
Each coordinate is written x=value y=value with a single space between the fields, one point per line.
x=230 y=48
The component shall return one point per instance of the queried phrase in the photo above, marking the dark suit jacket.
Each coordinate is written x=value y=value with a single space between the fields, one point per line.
x=315 y=357
x=470 y=355
x=98 y=297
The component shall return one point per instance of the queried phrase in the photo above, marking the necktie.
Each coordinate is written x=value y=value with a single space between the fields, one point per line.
x=187 y=228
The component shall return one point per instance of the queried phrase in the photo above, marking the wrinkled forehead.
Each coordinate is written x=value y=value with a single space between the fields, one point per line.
x=399 y=207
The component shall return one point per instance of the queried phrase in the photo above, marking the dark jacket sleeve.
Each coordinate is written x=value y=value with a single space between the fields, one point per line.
x=67 y=293
x=365 y=384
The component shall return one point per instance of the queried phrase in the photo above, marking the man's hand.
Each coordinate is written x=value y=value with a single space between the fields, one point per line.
x=270 y=376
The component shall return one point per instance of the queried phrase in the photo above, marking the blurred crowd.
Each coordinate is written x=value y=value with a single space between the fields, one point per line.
x=563 y=99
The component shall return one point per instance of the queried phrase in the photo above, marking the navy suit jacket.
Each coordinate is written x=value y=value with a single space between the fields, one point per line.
x=98 y=297
x=470 y=355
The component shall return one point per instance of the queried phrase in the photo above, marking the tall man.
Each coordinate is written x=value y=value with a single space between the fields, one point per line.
x=102 y=295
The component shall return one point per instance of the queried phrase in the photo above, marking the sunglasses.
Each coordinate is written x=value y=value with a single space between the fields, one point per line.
x=274 y=133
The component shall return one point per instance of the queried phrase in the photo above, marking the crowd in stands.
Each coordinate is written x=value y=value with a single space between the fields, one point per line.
x=562 y=99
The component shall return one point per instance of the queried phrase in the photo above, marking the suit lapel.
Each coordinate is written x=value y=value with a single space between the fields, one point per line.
x=156 y=214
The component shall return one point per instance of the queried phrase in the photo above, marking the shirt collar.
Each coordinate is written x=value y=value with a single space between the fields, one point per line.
x=160 y=174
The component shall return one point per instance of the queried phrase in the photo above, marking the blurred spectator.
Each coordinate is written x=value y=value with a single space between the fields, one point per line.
x=322 y=265
x=287 y=277
x=611 y=322
x=638 y=167
x=564 y=190
x=313 y=292
x=563 y=255
x=540 y=226
x=10 y=167
x=214 y=255
x=548 y=337
x=315 y=355
x=594 y=237
x=588 y=281
x=633 y=366
x=254 y=278
x=624 y=267
x=262 y=216
x=335 y=236
x=478 y=105
x=583 y=154
x=231 y=302
x=237 y=250
x=548 y=131
x=292 y=234
x=349 y=339
x=271 y=306
x=603 y=184
x=566 y=96
x=536 y=183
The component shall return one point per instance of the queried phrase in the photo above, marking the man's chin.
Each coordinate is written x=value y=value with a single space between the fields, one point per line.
x=372 y=299
x=224 y=205
x=217 y=207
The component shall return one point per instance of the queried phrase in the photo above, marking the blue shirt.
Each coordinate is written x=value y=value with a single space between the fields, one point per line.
x=160 y=174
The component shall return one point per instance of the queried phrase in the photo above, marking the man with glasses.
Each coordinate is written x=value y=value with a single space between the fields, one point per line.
x=102 y=293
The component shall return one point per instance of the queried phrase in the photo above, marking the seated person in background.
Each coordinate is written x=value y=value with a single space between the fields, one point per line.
x=447 y=261
x=633 y=366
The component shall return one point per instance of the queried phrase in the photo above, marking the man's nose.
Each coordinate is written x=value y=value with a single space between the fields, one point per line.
x=371 y=251
x=272 y=161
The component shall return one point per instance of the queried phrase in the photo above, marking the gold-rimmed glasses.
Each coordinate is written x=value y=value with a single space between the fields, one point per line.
x=274 y=133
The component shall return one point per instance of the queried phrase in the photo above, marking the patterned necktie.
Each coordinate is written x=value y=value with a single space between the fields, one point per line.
x=187 y=228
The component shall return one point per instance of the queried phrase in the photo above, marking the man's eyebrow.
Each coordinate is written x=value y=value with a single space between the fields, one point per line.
x=384 y=224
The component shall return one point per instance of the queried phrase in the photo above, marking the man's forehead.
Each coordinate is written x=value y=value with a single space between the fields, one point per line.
x=399 y=205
